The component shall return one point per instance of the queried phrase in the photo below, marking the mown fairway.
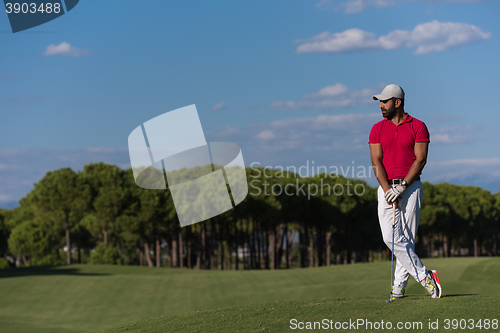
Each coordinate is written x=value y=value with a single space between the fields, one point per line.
x=346 y=314
x=82 y=298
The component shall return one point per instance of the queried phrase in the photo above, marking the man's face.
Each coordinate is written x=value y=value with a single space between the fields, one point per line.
x=388 y=108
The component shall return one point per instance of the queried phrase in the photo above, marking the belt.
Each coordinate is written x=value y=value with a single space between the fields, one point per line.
x=397 y=181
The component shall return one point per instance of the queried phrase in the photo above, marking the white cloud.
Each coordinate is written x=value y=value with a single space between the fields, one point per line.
x=324 y=133
x=342 y=140
x=325 y=122
x=493 y=161
x=218 y=106
x=442 y=138
x=266 y=135
x=356 y=6
x=335 y=96
x=427 y=37
x=452 y=134
x=324 y=140
x=65 y=49
x=349 y=40
x=335 y=90
x=483 y=172
x=227 y=130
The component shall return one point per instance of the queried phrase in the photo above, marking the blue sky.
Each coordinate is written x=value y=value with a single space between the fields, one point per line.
x=288 y=81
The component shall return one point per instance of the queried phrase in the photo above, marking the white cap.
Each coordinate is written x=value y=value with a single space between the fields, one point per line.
x=389 y=92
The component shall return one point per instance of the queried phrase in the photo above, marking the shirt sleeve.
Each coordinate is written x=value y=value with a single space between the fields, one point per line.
x=374 y=134
x=422 y=133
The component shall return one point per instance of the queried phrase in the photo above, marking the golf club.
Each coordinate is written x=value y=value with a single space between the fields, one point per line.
x=392 y=251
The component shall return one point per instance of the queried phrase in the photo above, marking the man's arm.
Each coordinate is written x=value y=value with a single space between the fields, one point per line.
x=421 y=150
x=376 y=155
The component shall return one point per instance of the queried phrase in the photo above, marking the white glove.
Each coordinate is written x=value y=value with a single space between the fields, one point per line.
x=394 y=192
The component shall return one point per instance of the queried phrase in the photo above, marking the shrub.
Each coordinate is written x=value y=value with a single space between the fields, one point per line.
x=4 y=263
x=104 y=254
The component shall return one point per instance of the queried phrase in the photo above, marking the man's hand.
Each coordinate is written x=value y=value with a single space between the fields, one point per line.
x=393 y=193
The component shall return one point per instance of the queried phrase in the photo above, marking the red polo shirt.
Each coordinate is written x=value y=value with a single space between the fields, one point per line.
x=398 y=143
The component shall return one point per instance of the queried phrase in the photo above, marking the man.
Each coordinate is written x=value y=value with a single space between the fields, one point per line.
x=398 y=148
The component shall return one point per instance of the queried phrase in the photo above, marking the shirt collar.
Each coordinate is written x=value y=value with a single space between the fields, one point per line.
x=407 y=119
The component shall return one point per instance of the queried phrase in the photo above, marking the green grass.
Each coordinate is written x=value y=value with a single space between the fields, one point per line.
x=84 y=297
x=418 y=312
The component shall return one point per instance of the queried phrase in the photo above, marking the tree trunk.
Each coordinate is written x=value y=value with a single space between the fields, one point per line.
x=259 y=247
x=189 y=241
x=303 y=248
x=450 y=245
x=470 y=245
x=228 y=255
x=181 y=251
x=203 y=246
x=251 y=243
x=68 y=244
x=349 y=252
x=289 y=245
x=222 y=258
x=141 y=257
x=245 y=244
x=475 y=248
x=287 y=252
x=148 y=254
x=266 y=248
x=169 y=250
x=105 y=236
x=428 y=245
x=236 y=243
x=213 y=246
x=280 y=241
x=495 y=251
x=310 y=248
x=158 y=252
x=174 y=251
x=213 y=260
x=445 y=246
x=272 y=248
x=328 y=247
x=320 y=247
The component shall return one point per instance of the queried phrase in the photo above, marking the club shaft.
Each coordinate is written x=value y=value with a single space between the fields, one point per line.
x=392 y=250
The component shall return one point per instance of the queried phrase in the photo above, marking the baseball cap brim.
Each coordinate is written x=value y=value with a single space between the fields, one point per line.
x=381 y=97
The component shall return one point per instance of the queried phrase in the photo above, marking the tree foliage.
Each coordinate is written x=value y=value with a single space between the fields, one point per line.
x=99 y=215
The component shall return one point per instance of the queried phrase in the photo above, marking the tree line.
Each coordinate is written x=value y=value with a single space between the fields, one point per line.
x=99 y=215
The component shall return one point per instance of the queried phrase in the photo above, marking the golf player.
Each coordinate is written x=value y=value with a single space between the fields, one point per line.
x=398 y=148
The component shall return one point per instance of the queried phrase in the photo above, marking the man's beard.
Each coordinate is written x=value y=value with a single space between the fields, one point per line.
x=389 y=113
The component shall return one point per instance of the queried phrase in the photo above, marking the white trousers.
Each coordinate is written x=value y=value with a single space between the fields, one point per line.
x=405 y=232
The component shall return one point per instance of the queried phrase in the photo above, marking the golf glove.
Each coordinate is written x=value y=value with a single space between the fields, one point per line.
x=394 y=192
